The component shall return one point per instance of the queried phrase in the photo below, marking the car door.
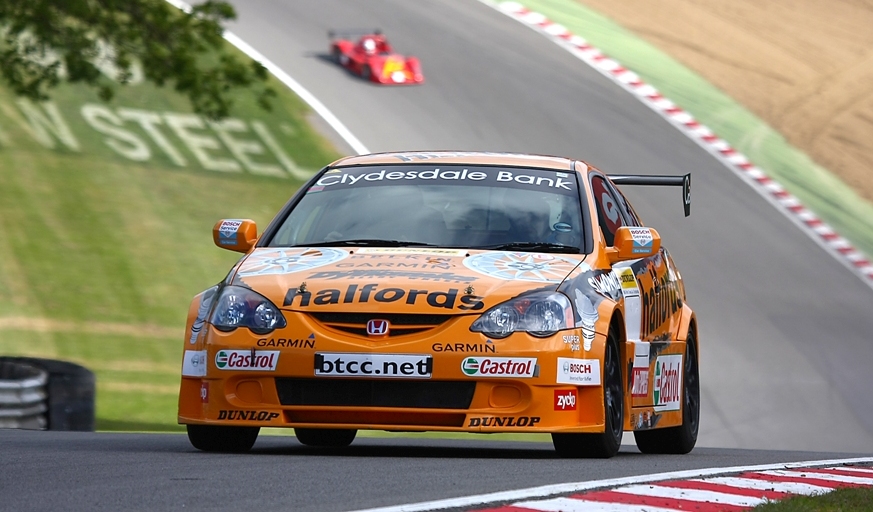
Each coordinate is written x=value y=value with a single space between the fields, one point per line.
x=651 y=290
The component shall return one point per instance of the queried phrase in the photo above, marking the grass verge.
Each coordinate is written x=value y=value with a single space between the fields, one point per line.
x=841 y=500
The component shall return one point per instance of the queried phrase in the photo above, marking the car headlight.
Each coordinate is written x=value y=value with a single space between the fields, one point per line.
x=539 y=314
x=240 y=307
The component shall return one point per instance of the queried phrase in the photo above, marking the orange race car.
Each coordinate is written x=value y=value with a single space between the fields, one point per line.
x=445 y=291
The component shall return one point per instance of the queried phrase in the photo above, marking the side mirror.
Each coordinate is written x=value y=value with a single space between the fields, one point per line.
x=237 y=235
x=633 y=242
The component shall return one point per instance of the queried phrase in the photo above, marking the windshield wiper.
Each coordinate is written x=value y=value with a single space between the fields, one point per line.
x=534 y=247
x=368 y=242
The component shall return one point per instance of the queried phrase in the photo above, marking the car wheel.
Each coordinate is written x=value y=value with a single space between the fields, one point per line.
x=366 y=72
x=325 y=437
x=336 y=55
x=213 y=438
x=681 y=439
x=603 y=445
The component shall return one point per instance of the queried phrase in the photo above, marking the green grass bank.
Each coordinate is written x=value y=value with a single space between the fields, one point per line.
x=106 y=212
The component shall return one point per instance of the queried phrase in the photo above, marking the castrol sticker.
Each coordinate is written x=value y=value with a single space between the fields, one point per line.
x=581 y=372
x=668 y=383
x=523 y=367
x=247 y=360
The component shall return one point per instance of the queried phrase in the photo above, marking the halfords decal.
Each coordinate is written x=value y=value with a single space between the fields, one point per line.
x=640 y=370
x=408 y=366
x=247 y=415
x=640 y=387
x=364 y=294
x=520 y=367
x=581 y=372
x=504 y=421
x=668 y=383
x=660 y=302
x=252 y=360
x=194 y=363
x=565 y=399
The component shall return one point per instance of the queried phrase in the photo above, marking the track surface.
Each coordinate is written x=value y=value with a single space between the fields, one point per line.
x=785 y=329
x=86 y=471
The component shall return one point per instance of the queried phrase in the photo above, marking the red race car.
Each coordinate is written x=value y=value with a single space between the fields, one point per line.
x=373 y=59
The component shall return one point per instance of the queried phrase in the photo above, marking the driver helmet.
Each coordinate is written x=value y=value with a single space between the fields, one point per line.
x=369 y=45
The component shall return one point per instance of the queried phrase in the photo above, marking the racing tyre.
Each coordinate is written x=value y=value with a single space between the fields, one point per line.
x=605 y=445
x=213 y=438
x=681 y=439
x=366 y=72
x=336 y=55
x=325 y=437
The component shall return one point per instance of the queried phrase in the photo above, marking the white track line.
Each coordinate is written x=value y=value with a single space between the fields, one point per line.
x=292 y=84
x=573 y=487
x=770 y=190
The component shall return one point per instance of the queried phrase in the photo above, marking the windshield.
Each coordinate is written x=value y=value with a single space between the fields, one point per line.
x=450 y=206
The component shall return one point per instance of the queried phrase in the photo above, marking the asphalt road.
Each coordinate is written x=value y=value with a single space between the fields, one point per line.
x=96 y=472
x=786 y=330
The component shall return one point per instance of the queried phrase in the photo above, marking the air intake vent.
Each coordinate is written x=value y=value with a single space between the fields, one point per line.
x=376 y=393
x=401 y=324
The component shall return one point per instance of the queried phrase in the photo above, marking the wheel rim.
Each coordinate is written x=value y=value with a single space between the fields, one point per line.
x=692 y=388
x=612 y=389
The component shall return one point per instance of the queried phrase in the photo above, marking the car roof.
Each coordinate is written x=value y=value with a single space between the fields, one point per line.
x=463 y=158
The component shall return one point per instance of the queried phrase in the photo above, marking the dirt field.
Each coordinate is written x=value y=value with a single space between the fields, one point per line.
x=804 y=66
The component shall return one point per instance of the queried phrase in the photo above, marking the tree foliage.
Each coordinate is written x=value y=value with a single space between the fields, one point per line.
x=44 y=42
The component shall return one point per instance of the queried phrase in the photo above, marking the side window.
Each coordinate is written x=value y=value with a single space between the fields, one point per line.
x=630 y=215
x=608 y=209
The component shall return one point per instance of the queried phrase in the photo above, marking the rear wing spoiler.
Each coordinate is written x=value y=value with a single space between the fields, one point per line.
x=670 y=181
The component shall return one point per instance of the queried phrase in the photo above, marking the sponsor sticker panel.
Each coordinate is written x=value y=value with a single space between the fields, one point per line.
x=247 y=360
x=579 y=372
x=668 y=383
x=407 y=366
x=642 y=238
x=565 y=399
x=503 y=421
x=515 y=367
x=227 y=231
x=194 y=363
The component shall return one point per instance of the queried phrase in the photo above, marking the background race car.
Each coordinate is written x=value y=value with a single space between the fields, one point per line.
x=371 y=57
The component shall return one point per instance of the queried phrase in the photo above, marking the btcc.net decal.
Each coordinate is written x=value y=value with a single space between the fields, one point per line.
x=409 y=366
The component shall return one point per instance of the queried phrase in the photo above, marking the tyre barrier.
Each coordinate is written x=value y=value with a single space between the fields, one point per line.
x=22 y=396
x=61 y=399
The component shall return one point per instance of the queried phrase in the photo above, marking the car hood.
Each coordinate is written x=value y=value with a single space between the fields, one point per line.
x=398 y=280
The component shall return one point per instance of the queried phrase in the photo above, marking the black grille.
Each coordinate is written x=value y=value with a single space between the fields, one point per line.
x=376 y=393
x=401 y=324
